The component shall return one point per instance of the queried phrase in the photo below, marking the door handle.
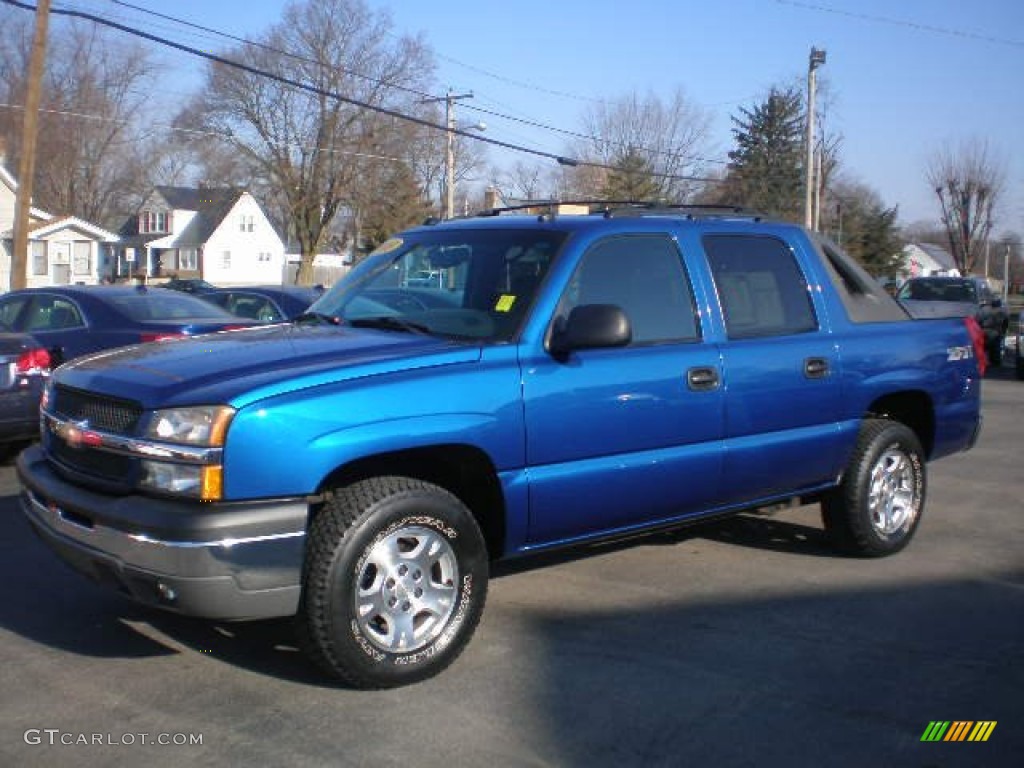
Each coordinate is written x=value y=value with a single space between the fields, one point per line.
x=816 y=368
x=702 y=379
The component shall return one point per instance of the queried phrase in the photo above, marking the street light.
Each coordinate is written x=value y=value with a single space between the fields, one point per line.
x=816 y=60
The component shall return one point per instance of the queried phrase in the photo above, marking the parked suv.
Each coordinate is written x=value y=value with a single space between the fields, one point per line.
x=573 y=378
x=960 y=297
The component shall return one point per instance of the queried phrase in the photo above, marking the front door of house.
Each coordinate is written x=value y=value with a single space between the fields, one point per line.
x=61 y=263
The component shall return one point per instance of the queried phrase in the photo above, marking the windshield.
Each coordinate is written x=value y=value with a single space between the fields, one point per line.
x=925 y=289
x=462 y=284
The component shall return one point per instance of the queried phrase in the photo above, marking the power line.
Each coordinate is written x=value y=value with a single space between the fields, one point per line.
x=587 y=137
x=522 y=121
x=561 y=160
x=904 y=23
x=224 y=136
x=265 y=47
x=420 y=94
x=519 y=83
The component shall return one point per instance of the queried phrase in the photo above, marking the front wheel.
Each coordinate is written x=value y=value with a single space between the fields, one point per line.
x=877 y=506
x=394 y=582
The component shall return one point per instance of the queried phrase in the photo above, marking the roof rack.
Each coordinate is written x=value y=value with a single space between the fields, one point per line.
x=620 y=208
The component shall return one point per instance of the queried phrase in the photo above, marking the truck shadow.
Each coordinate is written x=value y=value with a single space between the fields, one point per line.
x=45 y=601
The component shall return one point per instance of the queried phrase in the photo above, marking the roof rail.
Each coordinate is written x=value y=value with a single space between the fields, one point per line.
x=619 y=208
x=690 y=210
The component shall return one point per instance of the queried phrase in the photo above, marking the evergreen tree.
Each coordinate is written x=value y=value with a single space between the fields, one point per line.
x=397 y=203
x=857 y=219
x=765 y=171
x=632 y=179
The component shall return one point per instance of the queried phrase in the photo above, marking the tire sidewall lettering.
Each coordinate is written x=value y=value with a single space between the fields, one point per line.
x=378 y=656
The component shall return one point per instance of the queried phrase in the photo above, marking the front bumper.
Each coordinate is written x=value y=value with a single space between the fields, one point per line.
x=220 y=560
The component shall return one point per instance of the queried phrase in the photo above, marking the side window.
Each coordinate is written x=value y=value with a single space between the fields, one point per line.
x=760 y=286
x=9 y=311
x=52 y=313
x=644 y=275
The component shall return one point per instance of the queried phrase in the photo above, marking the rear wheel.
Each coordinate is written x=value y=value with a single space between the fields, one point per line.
x=878 y=505
x=394 y=582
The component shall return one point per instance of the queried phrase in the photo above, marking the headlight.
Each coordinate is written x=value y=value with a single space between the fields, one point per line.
x=187 y=472
x=201 y=481
x=204 y=425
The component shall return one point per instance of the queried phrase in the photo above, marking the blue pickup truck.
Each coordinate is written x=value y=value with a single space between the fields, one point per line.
x=569 y=378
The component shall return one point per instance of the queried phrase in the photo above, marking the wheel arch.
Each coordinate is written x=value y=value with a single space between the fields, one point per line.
x=463 y=470
x=913 y=408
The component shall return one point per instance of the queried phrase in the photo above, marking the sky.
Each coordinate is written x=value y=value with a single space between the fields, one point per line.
x=903 y=78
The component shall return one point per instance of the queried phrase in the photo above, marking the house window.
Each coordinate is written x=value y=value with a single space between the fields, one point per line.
x=40 y=266
x=82 y=258
x=188 y=259
x=225 y=260
x=154 y=221
x=246 y=224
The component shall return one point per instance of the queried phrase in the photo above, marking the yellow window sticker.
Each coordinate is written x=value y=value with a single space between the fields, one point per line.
x=504 y=303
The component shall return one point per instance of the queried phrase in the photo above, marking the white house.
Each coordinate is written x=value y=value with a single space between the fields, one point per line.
x=925 y=259
x=61 y=250
x=219 y=235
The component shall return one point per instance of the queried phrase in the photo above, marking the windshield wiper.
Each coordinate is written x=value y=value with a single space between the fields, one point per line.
x=318 y=317
x=388 y=323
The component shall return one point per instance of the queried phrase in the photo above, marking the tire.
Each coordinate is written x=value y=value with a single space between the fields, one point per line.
x=1020 y=363
x=394 y=582
x=876 y=508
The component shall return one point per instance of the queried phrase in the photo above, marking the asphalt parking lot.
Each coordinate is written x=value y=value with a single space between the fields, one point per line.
x=745 y=643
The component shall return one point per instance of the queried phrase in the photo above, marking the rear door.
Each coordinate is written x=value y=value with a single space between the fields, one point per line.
x=780 y=369
x=626 y=436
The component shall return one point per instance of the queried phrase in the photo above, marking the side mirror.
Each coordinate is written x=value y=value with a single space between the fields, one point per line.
x=591 y=326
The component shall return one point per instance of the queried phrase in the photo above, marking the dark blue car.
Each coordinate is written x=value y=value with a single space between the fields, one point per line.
x=24 y=370
x=264 y=303
x=70 y=321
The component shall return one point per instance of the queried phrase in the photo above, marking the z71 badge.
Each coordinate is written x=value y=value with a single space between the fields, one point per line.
x=959 y=353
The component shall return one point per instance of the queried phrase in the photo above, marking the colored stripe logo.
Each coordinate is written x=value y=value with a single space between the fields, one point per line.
x=958 y=730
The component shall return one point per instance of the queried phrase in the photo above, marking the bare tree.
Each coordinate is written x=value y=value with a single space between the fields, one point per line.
x=522 y=181
x=425 y=151
x=967 y=179
x=670 y=136
x=91 y=131
x=311 y=147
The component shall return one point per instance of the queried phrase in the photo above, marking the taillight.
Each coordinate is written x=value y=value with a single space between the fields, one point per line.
x=978 y=342
x=32 y=361
x=162 y=336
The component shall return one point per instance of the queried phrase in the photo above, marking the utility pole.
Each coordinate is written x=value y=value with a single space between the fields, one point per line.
x=816 y=60
x=449 y=100
x=29 y=133
x=1006 y=275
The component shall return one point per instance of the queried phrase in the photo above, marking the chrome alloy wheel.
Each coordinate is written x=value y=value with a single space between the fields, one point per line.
x=893 y=494
x=407 y=589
